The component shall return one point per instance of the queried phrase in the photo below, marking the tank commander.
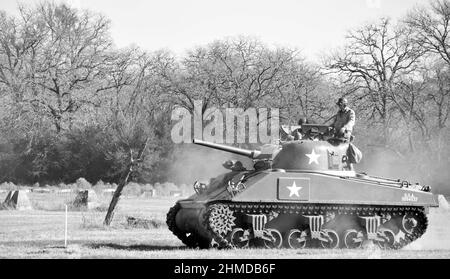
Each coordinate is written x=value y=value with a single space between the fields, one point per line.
x=344 y=120
x=297 y=133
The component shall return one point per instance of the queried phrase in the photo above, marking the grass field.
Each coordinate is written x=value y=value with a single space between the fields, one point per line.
x=40 y=234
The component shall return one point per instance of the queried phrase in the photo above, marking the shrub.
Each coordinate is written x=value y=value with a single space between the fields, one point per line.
x=144 y=223
x=132 y=189
x=9 y=186
x=100 y=185
x=147 y=188
x=92 y=220
x=83 y=184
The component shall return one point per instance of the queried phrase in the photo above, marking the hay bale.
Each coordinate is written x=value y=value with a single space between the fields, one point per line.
x=18 y=200
x=132 y=189
x=108 y=191
x=443 y=203
x=87 y=199
x=65 y=191
x=41 y=190
x=148 y=194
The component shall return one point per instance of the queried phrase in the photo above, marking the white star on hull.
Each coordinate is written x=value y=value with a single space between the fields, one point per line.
x=294 y=190
x=313 y=157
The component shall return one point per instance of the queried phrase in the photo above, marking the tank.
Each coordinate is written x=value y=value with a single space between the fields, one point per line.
x=300 y=193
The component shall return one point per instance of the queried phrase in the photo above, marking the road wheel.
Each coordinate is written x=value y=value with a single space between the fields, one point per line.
x=276 y=239
x=297 y=239
x=389 y=239
x=353 y=239
x=332 y=239
x=238 y=238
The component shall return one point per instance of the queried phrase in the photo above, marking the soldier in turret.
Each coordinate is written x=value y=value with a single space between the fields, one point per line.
x=289 y=133
x=344 y=120
x=297 y=133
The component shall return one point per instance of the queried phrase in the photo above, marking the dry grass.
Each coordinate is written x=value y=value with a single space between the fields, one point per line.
x=92 y=220
x=40 y=234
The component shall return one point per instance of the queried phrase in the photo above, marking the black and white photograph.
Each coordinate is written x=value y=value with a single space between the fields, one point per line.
x=245 y=132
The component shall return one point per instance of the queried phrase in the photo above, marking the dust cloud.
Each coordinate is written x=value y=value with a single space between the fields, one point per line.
x=414 y=169
x=437 y=235
x=192 y=162
x=387 y=163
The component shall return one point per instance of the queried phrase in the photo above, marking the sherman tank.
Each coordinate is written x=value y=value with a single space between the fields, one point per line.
x=300 y=193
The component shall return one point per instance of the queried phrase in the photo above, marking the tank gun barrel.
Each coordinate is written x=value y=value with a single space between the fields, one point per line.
x=240 y=151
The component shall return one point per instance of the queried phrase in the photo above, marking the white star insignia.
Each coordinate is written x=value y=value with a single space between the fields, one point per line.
x=294 y=190
x=313 y=157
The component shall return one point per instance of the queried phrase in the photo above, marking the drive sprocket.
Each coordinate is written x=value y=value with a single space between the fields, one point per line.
x=220 y=221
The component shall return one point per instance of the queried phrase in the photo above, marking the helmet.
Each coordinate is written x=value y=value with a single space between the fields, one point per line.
x=342 y=101
x=302 y=121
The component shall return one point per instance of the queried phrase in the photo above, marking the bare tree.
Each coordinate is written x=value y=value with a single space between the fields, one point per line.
x=437 y=107
x=19 y=39
x=135 y=100
x=431 y=28
x=439 y=96
x=374 y=59
x=236 y=72
x=134 y=161
x=68 y=61
x=300 y=93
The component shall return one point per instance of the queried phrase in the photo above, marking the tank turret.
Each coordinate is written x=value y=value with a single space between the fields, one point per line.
x=294 y=155
x=312 y=155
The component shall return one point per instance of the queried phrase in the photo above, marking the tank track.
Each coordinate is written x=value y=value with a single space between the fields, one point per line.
x=311 y=209
x=191 y=240
x=219 y=238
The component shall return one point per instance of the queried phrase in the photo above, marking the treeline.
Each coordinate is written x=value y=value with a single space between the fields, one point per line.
x=73 y=105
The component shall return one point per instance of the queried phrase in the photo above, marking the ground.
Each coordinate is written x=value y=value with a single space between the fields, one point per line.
x=40 y=234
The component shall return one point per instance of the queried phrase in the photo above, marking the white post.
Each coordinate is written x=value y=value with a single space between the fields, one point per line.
x=65 y=231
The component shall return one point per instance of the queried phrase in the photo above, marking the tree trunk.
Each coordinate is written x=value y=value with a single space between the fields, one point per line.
x=126 y=177
x=116 y=196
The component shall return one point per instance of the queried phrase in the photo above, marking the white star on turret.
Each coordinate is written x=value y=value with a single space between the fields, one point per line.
x=294 y=190
x=313 y=157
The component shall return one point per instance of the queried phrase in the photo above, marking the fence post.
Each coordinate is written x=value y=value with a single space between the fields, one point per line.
x=65 y=230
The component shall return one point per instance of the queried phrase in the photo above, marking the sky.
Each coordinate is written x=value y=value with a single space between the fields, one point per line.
x=312 y=26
